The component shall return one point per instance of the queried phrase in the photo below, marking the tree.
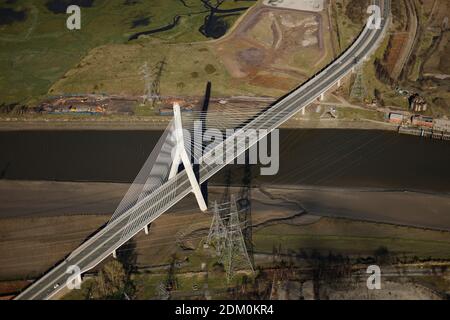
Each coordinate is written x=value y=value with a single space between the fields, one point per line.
x=382 y=255
x=110 y=282
x=356 y=10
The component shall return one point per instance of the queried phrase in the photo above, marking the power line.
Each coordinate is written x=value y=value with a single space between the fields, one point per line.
x=359 y=92
x=152 y=81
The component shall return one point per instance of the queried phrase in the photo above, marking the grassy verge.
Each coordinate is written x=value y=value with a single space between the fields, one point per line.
x=359 y=114
x=347 y=30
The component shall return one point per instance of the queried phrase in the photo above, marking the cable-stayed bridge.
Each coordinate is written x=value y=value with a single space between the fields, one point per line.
x=159 y=186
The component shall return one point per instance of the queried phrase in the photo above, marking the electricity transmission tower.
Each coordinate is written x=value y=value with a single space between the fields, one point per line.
x=162 y=292
x=147 y=82
x=235 y=255
x=227 y=237
x=152 y=81
x=358 y=92
x=217 y=231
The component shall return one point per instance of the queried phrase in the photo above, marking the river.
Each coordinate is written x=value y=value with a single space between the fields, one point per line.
x=314 y=157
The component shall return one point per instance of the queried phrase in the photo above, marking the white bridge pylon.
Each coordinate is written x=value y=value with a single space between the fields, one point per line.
x=180 y=155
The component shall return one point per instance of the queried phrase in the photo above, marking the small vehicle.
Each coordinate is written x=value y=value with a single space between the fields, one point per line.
x=56 y=285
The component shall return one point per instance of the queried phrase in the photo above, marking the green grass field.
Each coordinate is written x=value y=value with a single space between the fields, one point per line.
x=117 y=69
x=37 y=52
x=354 y=238
x=359 y=114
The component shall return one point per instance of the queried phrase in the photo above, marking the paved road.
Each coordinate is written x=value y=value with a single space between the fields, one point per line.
x=119 y=231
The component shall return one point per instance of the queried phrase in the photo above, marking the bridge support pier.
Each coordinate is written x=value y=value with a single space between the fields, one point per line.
x=339 y=83
x=114 y=254
x=322 y=96
x=182 y=156
x=77 y=279
x=146 y=229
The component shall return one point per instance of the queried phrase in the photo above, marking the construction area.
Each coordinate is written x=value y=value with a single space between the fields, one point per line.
x=276 y=47
x=306 y=5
